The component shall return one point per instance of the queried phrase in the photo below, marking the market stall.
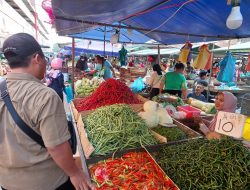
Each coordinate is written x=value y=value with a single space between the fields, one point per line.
x=116 y=128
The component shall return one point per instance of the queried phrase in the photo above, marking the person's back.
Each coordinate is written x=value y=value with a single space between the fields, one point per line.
x=26 y=164
x=21 y=158
x=56 y=78
x=174 y=81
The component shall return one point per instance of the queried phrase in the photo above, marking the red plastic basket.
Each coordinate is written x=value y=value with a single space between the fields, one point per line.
x=190 y=111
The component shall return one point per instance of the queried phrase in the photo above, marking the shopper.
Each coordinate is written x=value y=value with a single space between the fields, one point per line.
x=155 y=81
x=55 y=77
x=104 y=67
x=175 y=82
x=24 y=164
x=197 y=94
x=82 y=63
x=202 y=79
x=189 y=69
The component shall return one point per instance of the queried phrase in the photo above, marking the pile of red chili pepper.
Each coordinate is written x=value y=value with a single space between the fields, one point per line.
x=108 y=93
x=134 y=171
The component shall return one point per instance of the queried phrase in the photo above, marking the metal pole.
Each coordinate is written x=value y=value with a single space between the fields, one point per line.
x=73 y=65
x=104 y=52
x=35 y=25
x=159 y=55
x=211 y=71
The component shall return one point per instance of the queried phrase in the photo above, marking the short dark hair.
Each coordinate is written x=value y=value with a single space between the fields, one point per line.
x=188 y=63
x=100 y=58
x=179 y=66
x=202 y=73
x=19 y=62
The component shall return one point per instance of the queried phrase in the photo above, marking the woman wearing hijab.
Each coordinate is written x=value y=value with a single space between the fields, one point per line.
x=225 y=101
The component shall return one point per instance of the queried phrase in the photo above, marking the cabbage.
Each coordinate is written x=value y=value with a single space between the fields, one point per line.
x=151 y=118
x=164 y=118
x=150 y=106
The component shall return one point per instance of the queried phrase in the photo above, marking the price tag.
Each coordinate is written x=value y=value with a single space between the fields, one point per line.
x=230 y=124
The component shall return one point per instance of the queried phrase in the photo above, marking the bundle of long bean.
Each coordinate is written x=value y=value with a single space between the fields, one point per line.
x=108 y=93
x=205 y=165
x=171 y=133
x=116 y=127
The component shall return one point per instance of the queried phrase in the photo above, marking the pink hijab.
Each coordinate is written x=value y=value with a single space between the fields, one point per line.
x=230 y=104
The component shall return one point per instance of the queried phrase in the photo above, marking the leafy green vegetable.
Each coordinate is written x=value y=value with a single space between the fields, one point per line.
x=172 y=134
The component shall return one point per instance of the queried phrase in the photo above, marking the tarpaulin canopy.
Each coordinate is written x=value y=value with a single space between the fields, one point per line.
x=92 y=47
x=166 y=21
x=242 y=47
x=124 y=37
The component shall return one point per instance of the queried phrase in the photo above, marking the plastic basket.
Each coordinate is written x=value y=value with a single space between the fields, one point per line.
x=190 y=111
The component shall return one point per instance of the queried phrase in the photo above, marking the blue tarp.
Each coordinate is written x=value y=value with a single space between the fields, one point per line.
x=98 y=34
x=92 y=47
x=79 y=51
x=197 y=17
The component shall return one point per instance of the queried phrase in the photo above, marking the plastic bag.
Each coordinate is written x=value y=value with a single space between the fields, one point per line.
x=138 y=85
x=227 y=69
x=186 y=53
x=69 y=93
x=203 y=60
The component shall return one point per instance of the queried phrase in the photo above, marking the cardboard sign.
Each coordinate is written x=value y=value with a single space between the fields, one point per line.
x=230 y=124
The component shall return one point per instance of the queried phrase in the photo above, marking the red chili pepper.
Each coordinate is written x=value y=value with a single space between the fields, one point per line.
x=108 y=93
x=132 y=171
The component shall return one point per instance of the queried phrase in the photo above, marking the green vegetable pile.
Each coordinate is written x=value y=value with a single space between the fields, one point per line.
x=85 y=86
x=202 y=165
x=117 y=127
x=172 y=134
x=179 y=101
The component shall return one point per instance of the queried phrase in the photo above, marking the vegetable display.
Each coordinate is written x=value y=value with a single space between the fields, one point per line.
x=209 y=108
x=154 y=115
x=108 y=93
x=85 y=86
x=171 y=133
x=116 y=127
x=168 y=99
x=134 y=170
x=198 y=164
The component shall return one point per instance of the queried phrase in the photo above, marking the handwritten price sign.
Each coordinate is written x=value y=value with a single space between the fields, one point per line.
x=230 y=124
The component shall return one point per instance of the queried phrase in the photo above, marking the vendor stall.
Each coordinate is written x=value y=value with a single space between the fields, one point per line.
x=128 y=139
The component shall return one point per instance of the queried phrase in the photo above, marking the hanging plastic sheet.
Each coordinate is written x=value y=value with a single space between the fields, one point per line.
x=186 y=53
x=138 y=85
x=227 y=69
x=204 y=58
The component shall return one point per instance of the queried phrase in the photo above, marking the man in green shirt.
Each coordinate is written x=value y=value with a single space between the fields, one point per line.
x=175 y=82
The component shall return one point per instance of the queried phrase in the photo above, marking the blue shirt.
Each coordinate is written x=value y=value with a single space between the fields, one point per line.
x=201 y=97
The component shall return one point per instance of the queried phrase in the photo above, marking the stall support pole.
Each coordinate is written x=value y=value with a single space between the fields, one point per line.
x=159 y=55
x=73 y=65
x=104 y=44
x=211 y=71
